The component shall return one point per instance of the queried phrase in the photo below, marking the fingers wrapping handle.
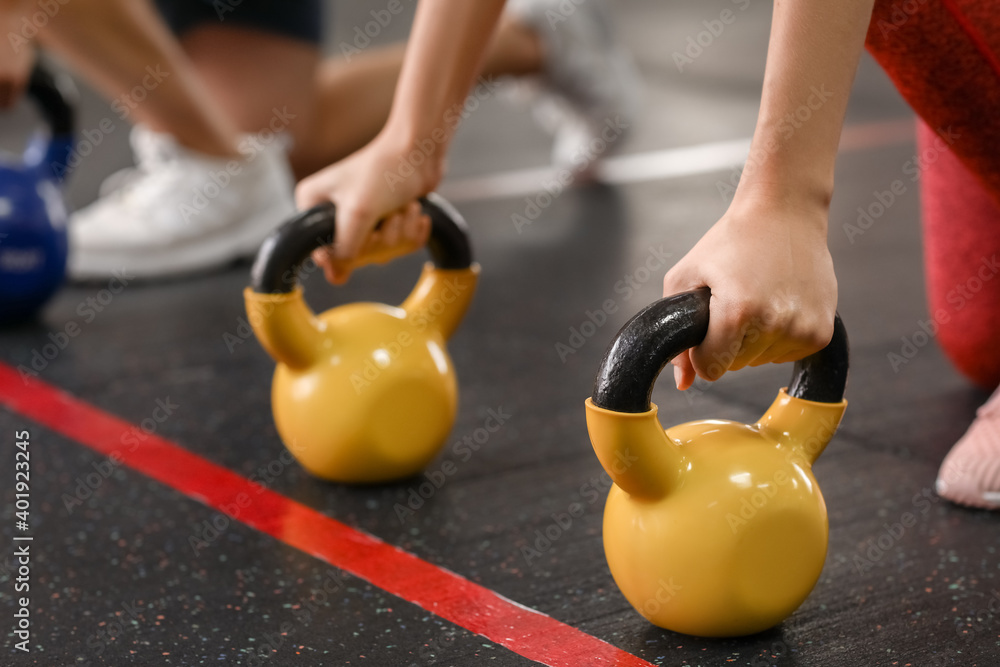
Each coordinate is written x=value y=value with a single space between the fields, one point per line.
x=677 y=323
x=279 y=259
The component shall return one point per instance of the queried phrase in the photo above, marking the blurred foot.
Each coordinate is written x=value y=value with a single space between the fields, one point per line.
x=179 y=211
x=970 y=474
x=588 y=92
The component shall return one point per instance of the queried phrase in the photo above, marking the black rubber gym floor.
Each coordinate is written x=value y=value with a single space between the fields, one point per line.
x=115 y=578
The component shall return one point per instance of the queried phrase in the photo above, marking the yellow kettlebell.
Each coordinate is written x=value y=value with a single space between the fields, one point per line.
x=712 y=528
x=365 y=392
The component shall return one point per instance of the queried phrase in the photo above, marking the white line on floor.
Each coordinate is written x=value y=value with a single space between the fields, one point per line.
x=666 y=164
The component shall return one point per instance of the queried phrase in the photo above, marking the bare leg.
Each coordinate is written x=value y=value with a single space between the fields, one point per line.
x=334 y=106
x=354 y=98
x=260 y=80
x=121 y=44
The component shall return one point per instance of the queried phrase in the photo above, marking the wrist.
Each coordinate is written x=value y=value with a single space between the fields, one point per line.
x=788 y=165
x=419 y=153
x=769 y=202
x=809 y=193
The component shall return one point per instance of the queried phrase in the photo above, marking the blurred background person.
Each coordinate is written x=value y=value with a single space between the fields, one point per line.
x=240 y=101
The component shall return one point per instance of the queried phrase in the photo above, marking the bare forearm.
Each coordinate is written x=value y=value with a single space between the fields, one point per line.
x=12 y=12
x=13 y=6
x=812 y=57
x=447 y=45
x=17 y=57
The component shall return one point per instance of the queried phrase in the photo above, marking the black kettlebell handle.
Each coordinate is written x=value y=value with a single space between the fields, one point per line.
x=667 y=327
x=275 y=271
x=52 y=102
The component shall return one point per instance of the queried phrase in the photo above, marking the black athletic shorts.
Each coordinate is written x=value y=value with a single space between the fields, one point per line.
x=297 y=19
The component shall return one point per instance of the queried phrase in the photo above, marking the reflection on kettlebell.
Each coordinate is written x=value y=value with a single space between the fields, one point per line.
x=32 y=211
x=364 y=392
x=712 y=528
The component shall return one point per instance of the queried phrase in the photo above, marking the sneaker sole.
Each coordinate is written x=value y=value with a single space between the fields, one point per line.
x=198 y=255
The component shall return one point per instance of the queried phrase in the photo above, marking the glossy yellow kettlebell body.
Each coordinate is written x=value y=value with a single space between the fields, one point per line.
x=725 y=533
x=365 y=392
x=712 y=528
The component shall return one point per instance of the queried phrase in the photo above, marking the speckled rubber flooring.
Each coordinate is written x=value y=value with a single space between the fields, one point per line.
x=115 y=579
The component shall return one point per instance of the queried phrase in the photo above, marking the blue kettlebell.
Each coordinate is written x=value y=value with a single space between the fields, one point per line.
x=33 y=212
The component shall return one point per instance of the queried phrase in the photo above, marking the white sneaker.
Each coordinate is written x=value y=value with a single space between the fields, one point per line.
x=589 y=92
x=180 y=211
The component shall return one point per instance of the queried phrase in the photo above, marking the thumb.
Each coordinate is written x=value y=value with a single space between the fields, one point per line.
x=353 y=227
x=311 y=191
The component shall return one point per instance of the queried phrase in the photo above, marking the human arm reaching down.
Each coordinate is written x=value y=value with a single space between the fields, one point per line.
x=16 y=61
x=766 y=261
x=406 y=160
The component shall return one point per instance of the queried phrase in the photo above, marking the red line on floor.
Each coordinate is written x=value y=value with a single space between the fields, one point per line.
x=446 y=594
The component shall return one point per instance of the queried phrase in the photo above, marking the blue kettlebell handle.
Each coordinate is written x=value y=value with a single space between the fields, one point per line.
x=51 y=153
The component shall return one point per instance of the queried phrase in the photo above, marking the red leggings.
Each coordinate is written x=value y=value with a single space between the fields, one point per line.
x=943 y=57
